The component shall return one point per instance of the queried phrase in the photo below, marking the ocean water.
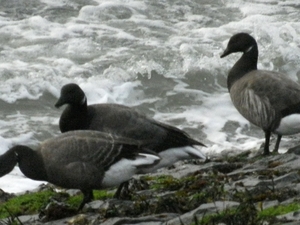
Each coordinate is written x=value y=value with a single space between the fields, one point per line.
x=162 y=57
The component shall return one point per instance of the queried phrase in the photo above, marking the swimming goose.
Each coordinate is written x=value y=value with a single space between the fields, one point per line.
x=171 y=143
x=268 y=99
x=84 y=160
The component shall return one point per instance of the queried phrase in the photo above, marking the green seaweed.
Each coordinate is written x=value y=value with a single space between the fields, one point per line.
x=31 y=203
x=279 y=210
x=28 y=203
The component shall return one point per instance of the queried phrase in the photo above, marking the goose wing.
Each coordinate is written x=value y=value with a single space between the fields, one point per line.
x=127 y=122
x=263 y=97
x=81 y=162
x=281 y=91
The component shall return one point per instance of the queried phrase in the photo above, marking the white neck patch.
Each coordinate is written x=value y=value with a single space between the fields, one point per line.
x=249 y=49
x=83 y=100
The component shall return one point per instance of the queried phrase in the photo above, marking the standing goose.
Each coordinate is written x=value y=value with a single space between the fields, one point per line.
x=84 y=160
x=268 y=99
x=171 y=143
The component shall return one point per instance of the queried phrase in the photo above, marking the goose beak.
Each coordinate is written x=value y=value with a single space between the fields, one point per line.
x=59 y=103
x=225 y=53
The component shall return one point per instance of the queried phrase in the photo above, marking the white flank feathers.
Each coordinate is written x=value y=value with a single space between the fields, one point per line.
x=173 y=155
x=289 y=125
x=124 y=169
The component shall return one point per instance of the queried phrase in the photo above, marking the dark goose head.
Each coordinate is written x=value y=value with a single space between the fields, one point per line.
x=241 y=42
x=125 y=122
x=267 y=99
x=71 y=94
x=76 y=115
x=84 y=160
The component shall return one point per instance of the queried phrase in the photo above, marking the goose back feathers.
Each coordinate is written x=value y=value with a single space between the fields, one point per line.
x=267 y=99
x=84 y=160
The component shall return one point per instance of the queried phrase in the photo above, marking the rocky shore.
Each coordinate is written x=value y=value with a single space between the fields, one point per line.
x=227 y=189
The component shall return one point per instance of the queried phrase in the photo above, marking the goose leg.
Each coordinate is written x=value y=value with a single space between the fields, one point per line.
x=277 y=143
x=87 y=197
x=120 y=188
x=267 y=142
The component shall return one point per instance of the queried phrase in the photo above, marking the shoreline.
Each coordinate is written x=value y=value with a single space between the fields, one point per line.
x=222 y=189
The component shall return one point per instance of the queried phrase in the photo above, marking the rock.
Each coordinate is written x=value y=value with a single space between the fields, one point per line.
x=80 y=219
x=180 y=170
x=30 y=219
x=227 y=167
x=295 y=150
x=286 y=179
x=293 y=216
x=148 y=220
x=191 y=190
x=204 y=209
x=5 y=196
x=94 y=205
x=268 y=204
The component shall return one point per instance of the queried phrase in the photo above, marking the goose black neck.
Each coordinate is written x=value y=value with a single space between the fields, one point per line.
x=7 y=162
x=30 y=163
x=74 y=117
x=244 y=65
x=82 y=107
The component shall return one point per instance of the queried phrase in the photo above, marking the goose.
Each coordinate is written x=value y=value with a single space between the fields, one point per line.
x=83 y=160
x=171 y=143
x=268 y=99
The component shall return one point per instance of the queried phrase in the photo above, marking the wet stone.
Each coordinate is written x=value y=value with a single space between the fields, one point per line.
x=56 y=210
x=4 y=196
x=227 y=167
x=198 y=190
